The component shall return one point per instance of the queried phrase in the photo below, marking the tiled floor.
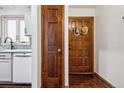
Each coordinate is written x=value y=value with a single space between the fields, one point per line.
x=86 y=81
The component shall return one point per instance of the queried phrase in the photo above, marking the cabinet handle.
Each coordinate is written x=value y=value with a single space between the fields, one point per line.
x=25 y=31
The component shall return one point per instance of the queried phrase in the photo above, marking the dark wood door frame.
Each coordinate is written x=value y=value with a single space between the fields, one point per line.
x=43 y=46
x=92 y=47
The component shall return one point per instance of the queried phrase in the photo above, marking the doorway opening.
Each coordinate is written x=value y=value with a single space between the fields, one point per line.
x=81 y=48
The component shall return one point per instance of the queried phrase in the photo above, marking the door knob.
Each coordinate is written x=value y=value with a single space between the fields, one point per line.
x=59 y=50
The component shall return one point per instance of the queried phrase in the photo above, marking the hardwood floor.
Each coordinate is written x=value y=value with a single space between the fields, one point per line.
x=75 y=81
x=86 y=81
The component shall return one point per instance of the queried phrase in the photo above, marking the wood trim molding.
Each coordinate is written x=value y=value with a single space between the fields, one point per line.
x=105 y=81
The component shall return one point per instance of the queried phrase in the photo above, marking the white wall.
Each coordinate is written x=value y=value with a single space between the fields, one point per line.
x=81 y=11
x=109 y=44
x=36 y=46
x=14 y=11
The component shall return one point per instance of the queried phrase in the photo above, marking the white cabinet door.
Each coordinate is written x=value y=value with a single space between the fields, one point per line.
x=5 y=70
x=22 y=68
x=5 y=67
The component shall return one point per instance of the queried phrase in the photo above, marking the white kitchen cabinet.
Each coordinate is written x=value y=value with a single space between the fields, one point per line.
x=5 y=67
x=22 y=67
x=0 y=28
x=28 y=25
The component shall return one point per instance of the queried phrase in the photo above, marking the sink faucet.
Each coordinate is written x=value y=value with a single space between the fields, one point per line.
x=11 y=41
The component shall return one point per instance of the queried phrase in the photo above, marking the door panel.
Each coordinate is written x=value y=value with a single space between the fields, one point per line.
x=81 y=47
x=52 y=18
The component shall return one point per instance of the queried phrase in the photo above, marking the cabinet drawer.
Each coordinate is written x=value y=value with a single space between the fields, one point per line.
x=22 y=55
x=5 y=55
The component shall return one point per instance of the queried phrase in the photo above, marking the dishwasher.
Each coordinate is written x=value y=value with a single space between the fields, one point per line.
x=5 y=67
x=22 y=67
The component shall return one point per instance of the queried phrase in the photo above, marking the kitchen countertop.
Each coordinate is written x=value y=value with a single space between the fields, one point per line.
x=15 y=51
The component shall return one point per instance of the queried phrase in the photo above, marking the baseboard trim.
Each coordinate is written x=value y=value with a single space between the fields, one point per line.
x=79 y=73
x=105 y=81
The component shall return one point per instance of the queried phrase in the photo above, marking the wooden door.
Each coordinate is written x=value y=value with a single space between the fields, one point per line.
x=81 y=46
x=52 y=66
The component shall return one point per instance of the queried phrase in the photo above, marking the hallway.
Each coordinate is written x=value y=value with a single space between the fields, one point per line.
x=82 y=44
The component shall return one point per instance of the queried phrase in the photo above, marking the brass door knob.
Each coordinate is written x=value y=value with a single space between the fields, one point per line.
x=59 y=50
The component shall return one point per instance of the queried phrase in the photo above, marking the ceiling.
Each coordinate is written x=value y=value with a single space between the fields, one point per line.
x=82 y=6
